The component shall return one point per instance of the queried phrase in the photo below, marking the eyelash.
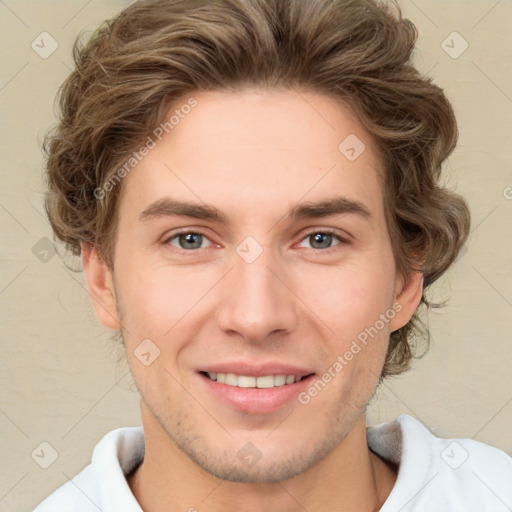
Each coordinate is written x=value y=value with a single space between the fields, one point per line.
x=326 y=231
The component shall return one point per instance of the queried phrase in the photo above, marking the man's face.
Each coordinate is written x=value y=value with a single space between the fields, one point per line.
x=258 y=293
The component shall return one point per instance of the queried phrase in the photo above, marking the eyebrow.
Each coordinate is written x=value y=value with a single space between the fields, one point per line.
x=167 y=206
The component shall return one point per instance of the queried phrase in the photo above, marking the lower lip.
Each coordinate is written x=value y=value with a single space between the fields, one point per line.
x=256 y=400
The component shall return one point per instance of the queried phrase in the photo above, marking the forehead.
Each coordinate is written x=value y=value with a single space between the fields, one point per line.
x=256 y=148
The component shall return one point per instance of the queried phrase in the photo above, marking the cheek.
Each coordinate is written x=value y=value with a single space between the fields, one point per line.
x=147 y=300
x=156 y=299
x=350 y=299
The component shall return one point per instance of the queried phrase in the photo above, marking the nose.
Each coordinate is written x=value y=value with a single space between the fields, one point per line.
x=257 y=303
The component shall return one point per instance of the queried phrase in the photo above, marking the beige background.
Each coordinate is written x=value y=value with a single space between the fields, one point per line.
x=64 y=381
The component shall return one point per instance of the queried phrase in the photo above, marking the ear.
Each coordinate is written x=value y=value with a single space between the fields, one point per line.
x=408 y=296
x=101 y=287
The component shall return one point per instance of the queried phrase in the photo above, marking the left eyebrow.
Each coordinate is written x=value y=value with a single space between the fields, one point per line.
x=334 y=206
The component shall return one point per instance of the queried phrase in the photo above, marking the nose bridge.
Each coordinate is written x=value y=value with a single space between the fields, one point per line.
x=255 y=302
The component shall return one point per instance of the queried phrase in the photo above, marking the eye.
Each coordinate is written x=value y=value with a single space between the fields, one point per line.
x=323 y=240
x=188 y=240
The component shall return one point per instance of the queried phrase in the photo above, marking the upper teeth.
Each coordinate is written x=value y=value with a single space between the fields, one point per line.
x=245 y=381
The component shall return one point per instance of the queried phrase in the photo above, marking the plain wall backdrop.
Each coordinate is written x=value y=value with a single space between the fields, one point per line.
x=64 y=380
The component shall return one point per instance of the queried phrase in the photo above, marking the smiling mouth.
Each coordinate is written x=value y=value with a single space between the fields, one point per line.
x=261 y=382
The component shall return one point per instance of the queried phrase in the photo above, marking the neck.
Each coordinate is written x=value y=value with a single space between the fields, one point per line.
x=349 y=478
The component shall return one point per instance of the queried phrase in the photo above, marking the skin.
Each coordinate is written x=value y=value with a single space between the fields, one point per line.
x=254 y=155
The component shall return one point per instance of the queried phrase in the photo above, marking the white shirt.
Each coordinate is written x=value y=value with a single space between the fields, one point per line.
x=434 y=475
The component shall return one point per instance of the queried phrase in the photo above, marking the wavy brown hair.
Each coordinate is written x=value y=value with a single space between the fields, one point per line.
x=135 y=66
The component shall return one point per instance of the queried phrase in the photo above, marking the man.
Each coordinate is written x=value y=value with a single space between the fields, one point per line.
x=253 y=188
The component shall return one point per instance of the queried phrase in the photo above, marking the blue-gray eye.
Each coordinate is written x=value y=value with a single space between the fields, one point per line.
x=188 y=240
x=321 y=240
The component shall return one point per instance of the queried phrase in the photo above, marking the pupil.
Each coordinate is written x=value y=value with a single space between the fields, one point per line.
x=324 y=239
x=191 y=238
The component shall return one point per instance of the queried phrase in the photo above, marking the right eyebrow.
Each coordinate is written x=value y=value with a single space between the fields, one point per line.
x=167 y=207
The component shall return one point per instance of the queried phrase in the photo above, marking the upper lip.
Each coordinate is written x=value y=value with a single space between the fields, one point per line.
x=257 y=369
